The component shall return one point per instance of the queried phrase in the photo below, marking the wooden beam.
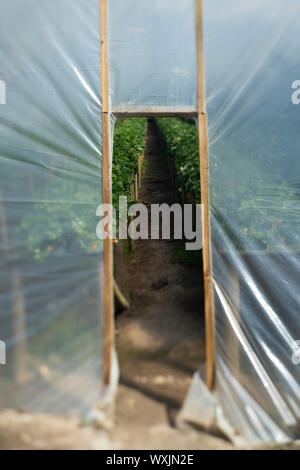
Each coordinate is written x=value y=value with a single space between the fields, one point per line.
x=205 y=200
x=109 y=329
x=154 y=111
x=104 y=56
x=201 y=101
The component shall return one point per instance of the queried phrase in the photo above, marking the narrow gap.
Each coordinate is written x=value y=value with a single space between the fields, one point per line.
x=160 y=339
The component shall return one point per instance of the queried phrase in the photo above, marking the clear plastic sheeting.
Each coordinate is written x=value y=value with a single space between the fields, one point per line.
x=202 y=407
x=50 y=186
x=252 y=55
x=51 y=263
x=153 y=60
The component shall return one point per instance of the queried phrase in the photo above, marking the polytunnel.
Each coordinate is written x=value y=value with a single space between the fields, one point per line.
x=68 y=68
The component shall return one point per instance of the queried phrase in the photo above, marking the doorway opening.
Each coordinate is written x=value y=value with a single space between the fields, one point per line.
x=160 y=336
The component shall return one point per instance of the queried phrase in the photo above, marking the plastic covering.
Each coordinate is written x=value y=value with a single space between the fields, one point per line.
x=50 y=157
x=153 y=52
x=252 y=55
x=50 y=184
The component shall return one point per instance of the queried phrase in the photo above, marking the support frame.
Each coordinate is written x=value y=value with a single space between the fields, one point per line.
x=157 y=111
x=109 y=327
x=205 y=200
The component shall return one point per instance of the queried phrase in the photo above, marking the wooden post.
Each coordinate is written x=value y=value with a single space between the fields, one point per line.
x=19 y=329
x=136 y=188
x=18 y=309
x=139 y=172
x=107 y=196
x=205 y=200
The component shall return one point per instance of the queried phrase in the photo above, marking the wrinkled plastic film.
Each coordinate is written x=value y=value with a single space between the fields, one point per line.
x=51 y=263
x=153 y=53
x=252 y=60
x=51 y=282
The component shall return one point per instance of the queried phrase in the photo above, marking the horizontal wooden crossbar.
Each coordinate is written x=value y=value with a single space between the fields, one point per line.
x=154 y=111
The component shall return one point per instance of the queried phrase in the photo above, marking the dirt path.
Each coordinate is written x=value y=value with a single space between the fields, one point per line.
x=160 y=341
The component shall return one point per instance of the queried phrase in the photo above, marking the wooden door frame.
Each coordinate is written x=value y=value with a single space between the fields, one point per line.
x=157 y=111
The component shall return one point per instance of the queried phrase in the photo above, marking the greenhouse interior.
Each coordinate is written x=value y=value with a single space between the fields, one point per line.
x=187 y=102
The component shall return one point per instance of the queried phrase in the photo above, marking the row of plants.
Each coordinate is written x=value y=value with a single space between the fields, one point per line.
x=181 y=138
x=252 y=198
x=65 y=219
x=51 y=263
x=129 y=142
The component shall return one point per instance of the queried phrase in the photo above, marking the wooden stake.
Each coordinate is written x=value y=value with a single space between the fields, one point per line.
x=136 y=188
x=107 y=197
x=205 y=200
